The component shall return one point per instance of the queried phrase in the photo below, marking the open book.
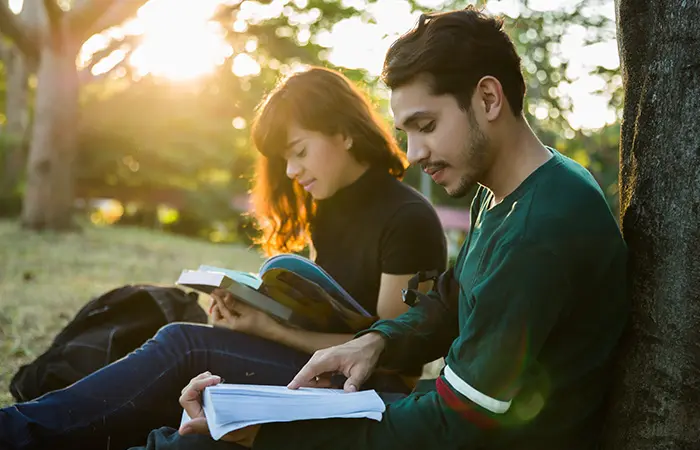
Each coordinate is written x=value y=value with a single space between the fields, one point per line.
x=229 y=407
x=290 y=288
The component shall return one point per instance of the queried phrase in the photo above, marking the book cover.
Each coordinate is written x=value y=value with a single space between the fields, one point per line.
x=289 y=287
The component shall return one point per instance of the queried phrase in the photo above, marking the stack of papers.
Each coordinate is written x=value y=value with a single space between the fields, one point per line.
x=229 y=407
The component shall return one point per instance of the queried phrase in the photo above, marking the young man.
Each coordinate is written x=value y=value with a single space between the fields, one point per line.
x=539 y=304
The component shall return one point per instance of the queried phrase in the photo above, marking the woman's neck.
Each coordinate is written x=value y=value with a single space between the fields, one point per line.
x=354 y=173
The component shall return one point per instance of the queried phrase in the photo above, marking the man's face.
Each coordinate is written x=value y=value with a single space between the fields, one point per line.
x=443 y=138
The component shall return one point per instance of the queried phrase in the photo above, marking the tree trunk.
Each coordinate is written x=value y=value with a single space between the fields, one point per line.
x=15 y=129
x=656 y=400
x=48 y=200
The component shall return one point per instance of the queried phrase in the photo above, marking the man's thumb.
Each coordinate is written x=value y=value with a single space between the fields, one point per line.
x=195 y=426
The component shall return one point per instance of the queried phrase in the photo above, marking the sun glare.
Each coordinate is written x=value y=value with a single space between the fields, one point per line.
x=179 y=42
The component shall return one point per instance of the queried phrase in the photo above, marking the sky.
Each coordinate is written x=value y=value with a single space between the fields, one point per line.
x=179 y=43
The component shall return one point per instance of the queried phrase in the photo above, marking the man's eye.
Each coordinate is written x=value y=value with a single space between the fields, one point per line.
x=429 y=127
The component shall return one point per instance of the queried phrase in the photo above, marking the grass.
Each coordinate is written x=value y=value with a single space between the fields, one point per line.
x=46 y=277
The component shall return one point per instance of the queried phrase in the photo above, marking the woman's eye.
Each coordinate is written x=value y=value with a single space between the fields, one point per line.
x=430 y=126
x=301 y=153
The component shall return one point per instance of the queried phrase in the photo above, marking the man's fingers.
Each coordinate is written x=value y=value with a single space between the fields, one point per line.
x=357 y=375
x=195 y=426
x=350 y=385
x=197 y=385
x=190 y=400
x=324 y=382
x=201 y=376
x=311 y=374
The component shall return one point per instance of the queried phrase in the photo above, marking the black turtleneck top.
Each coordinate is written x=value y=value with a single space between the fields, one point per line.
x=376 y=225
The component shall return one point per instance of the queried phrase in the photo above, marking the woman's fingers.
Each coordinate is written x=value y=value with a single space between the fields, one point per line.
x=232 y=304
x=225 y=312
x=216 y=314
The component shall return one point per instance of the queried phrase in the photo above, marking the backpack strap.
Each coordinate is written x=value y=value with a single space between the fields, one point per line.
x=411 y=295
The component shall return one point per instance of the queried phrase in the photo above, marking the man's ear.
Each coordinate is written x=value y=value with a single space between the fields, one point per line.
x=489 y=97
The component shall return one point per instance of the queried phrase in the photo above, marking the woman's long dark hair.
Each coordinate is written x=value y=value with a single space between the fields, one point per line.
x=318 y=100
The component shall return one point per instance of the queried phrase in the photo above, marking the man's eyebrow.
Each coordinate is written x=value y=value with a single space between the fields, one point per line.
x=413 y=118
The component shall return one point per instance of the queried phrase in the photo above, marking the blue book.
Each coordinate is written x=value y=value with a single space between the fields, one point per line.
x=289 y=287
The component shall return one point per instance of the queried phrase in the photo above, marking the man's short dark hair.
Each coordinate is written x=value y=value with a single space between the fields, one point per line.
x=456 y=49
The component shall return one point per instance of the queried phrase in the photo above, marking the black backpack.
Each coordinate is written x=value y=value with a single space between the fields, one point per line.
x=107 y=328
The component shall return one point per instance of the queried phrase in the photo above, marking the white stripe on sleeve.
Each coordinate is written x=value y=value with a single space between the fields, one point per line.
x=483 y=400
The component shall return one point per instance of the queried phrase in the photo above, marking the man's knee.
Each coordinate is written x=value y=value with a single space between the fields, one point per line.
x=169 y=439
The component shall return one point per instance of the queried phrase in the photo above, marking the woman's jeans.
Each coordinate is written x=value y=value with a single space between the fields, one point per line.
x=117 y=406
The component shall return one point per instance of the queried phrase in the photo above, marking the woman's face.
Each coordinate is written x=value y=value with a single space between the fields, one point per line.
x=321 y=164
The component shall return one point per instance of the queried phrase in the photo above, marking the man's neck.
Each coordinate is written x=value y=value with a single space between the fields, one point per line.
x=518 y=156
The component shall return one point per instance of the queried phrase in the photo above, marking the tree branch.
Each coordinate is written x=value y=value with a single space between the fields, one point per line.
x=86 y=76
x=12 y=27
x=53 y=12
x=112 y=46
x=97 y=15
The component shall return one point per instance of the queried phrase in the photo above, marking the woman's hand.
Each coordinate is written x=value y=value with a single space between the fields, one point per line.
x=229 y=313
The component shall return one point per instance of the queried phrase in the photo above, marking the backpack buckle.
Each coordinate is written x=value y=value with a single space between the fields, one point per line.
x=411 y=295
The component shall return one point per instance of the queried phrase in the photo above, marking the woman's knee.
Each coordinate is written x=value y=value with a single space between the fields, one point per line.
x=178 y=333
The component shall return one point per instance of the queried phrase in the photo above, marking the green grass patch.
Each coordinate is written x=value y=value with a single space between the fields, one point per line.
x=46 y=277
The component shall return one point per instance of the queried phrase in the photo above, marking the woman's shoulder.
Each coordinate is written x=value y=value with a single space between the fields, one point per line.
x=413 y=237
x=402 y=208
x=401 y=198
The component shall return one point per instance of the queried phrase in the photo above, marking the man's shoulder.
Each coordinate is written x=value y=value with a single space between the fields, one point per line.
x=568 y=206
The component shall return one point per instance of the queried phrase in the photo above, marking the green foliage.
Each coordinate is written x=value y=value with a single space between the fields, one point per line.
x=148 y=141
x=537 y=36
x=151 y=141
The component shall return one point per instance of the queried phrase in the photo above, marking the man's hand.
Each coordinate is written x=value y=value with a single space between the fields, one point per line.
x=191 y=401
x=355 y=359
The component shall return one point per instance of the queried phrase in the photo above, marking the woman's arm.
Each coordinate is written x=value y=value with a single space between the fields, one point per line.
x=389 y=305
x=306 y=341
x=229 y=313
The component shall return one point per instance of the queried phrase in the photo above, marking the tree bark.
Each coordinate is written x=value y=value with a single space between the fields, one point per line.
x=15 y=129
x=18 y=65
x=48 y=199
x=656 y=400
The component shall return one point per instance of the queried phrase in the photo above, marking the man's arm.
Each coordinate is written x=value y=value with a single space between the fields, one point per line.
x=423 y=422
x=425 y=332
x=515 y=309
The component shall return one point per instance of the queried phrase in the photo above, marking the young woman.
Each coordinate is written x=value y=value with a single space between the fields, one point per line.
x=328 y=178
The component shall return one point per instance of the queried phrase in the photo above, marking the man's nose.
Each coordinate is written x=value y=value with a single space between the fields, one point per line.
x=417 y=151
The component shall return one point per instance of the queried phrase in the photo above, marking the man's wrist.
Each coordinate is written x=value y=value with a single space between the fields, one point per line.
x=374 y=339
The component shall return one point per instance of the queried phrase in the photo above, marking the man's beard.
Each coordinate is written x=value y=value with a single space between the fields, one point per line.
x=476 y=155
